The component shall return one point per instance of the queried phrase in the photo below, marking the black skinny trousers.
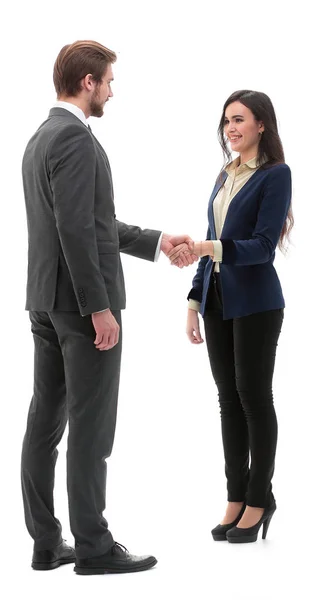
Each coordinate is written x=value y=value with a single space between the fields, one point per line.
x=242 y=355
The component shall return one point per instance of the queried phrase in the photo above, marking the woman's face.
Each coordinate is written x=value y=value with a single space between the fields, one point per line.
x=242 y=129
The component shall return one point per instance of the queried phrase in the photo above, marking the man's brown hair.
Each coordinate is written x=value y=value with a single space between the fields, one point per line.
x=75 y=61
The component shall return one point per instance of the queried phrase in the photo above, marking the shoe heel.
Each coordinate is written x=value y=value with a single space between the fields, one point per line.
x=46 y=566
x=266 y=526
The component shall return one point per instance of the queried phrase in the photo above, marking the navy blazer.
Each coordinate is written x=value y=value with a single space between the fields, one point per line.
x=250 y=235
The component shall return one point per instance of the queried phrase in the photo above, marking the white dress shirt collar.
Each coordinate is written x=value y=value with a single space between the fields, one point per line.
x=73 y=109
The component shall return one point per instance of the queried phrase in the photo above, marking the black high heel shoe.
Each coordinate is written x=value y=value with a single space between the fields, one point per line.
x=219 y=532
x=240 y=535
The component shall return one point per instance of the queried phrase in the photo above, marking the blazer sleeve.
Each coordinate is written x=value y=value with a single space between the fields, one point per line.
x=141 y=243
x=274 y=206
x=197 y=283
x=72 y=169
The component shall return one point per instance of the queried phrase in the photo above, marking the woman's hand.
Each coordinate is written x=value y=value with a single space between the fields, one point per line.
x=193 y=327
x=196 y=249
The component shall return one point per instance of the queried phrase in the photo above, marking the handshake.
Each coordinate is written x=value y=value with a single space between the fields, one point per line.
x=182 y=251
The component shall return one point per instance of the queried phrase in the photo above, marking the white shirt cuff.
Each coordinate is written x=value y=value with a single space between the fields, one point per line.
x=194 y=304
x=218 y=250
x=158 y=248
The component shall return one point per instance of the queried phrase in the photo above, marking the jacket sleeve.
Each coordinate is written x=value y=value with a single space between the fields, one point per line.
x=197 y=283
x=275 y=202
x=141 y=243
x=72 y=169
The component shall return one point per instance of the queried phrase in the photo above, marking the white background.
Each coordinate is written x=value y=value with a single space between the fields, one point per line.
x=177 y=64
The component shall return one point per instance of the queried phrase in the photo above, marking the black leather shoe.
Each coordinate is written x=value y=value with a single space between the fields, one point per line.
x=219 y=532
x=116 y=560
x=44 y=560
x=241 y=535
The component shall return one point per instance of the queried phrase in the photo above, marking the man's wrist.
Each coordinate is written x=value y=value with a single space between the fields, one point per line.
x=165 y=241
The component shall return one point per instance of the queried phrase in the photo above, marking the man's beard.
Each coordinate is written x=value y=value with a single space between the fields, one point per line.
x=96 y=108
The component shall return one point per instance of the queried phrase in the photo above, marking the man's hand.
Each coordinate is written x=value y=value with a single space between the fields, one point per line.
x=106 y=328
x=196 y=249
x=183 y=245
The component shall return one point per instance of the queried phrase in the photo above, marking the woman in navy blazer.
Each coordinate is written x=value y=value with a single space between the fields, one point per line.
x=237 y=291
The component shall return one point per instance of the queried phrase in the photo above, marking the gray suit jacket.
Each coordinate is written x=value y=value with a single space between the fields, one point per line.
x=74 y=237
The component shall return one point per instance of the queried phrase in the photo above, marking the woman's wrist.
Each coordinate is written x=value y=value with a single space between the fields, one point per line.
x=203 y=248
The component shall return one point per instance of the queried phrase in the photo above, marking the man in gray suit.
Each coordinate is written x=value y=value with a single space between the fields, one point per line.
x=75 y=294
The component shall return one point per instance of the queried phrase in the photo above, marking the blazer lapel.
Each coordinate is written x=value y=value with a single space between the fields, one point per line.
x=235 y=202
x=219 y=183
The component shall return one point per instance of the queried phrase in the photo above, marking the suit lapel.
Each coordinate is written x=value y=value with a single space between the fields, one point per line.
x=100 y=148
x=63 y=112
